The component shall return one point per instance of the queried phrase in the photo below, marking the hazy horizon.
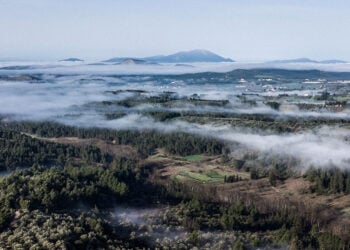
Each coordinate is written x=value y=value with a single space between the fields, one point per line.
x=242 y=30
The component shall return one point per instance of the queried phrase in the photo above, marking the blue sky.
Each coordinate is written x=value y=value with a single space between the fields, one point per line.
x=241 y=29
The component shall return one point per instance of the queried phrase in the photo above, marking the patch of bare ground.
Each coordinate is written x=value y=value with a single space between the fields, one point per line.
x=105 y=146
x=298 y=189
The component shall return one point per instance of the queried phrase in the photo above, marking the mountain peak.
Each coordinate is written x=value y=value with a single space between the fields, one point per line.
x=199 y=51
x=197 y=55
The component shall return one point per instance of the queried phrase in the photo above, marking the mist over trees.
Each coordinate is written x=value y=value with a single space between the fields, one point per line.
x=243 y=160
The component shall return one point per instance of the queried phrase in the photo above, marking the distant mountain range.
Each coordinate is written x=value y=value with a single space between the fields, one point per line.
x=180 y=57
x=307 y=60
x=72 y=59
x=275 y=74
x=133 y=61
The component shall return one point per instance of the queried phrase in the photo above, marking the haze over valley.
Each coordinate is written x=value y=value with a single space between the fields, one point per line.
x=265 y=119
x=163 y=125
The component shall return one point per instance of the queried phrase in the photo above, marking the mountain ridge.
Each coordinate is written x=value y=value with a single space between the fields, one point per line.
x=307 y=60
x=72 y=59
x=179 y=57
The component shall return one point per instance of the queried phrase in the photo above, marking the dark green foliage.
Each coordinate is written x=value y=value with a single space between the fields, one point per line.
x=54 y=189
x=272 y=177
x=329 y=181
x=238 y=245
x=324 y=96
x=48 y=198
x=291 y=227
x=273 y=105
x=37 y=230
x=279 y=172
x=163 y=116
x=327 y=241
x=232 y=178
x=112 y=116
x=145 y=141
x=258 y=173
x=19 y=150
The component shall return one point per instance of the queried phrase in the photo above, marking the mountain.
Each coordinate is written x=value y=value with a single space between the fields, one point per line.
x=180 y=57
x=189 y=57
x=133 y=61
x=20 y=67
x=72 y=59
x=307 y=60
x=184 y=65
x=275 y=74
x=119 y=59
x=333 y=61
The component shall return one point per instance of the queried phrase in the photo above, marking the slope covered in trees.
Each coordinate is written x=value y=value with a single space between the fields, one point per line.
x=72 y=190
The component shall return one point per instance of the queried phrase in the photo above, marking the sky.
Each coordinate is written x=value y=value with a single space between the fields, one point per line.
x=244 y=30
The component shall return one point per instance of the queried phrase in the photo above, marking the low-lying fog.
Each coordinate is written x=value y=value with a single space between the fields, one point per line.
x=76 y=100
x=92 y=67
x=151 y=224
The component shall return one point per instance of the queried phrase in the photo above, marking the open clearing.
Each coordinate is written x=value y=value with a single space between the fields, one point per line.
x=105 y=146
x=200 y=168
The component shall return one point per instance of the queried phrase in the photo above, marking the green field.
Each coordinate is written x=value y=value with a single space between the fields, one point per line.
x=203 y=177
x=193 y=158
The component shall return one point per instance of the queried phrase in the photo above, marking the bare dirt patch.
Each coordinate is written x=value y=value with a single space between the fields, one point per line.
x=108 y=147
